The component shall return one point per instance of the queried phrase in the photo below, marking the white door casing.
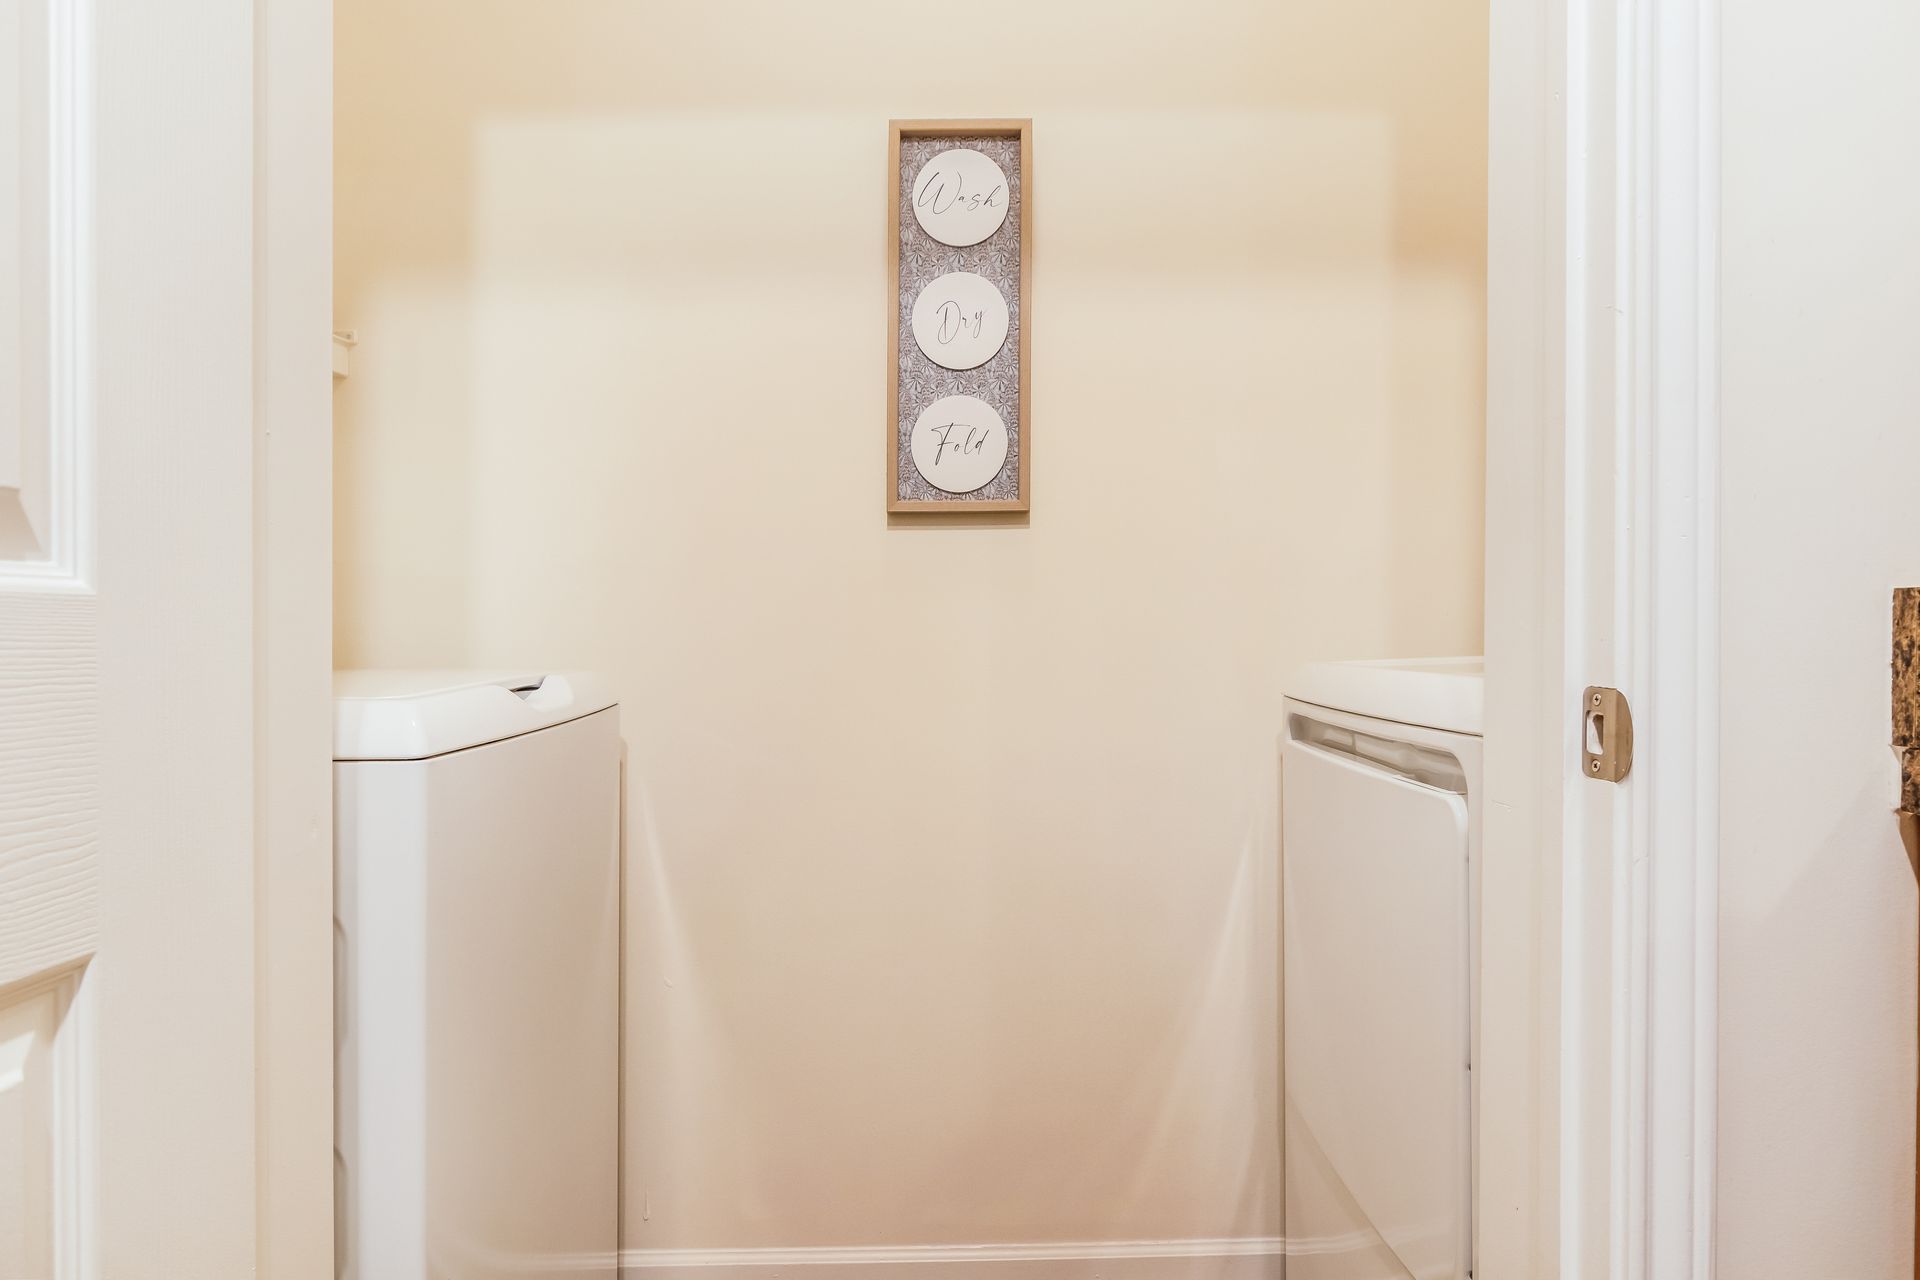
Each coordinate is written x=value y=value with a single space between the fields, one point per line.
x=163 y=614
x=1598 y=944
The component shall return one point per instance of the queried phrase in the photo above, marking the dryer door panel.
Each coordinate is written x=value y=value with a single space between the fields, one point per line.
x=1378 y=1161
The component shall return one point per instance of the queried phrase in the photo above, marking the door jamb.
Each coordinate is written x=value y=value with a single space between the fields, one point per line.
x=293 y=638
x=1602 y=569
x=1668 y=1103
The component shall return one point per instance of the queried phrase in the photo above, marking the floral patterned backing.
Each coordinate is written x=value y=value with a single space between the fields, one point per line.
x=924 y=260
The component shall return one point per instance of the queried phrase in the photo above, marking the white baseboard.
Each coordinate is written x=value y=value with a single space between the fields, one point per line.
x=1258 y=1258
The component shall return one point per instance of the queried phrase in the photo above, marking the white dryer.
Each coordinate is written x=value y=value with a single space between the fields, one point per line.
x=477 y=915
x=1380 y=856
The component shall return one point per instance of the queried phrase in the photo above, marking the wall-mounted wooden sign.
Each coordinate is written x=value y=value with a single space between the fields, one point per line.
x=959 y=283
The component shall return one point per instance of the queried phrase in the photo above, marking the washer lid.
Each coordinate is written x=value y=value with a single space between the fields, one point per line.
x=1439 y=693
x=410 y=715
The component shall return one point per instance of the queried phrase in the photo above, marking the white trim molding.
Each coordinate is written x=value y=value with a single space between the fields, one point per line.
x=1232 y=1258
x=61 y=490
x=1598 y=1078
x=1638 y=985
x=1666 y=1106
x=76 y=1140
x=58 y=1159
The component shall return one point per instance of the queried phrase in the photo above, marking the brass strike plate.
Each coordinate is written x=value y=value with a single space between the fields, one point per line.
x=1606 y=734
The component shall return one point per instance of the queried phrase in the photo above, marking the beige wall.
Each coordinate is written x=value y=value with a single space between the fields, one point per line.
x=1821 y=270
x=953 y=867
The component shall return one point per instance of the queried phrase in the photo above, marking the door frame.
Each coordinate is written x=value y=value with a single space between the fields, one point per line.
x=1599 y=1095
x=1598 y=1150
x=293 y=638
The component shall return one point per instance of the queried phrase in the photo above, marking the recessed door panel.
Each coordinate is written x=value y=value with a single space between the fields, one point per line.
x=50 y=728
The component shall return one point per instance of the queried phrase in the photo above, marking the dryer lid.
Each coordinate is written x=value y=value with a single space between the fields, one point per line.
x=1437 y=693
x=410 y=715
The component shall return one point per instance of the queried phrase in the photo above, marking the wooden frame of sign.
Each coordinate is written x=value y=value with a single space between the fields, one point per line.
x=1006 y=391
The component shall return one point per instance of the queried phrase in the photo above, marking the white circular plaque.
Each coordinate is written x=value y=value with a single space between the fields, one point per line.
x=960 y=197
x=960 y=320
x=959 y=444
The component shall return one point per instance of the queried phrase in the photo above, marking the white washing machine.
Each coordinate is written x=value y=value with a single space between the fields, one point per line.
x=1380 y=856
x=477 y=935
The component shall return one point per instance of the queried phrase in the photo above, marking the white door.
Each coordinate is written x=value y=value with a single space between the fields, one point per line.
x=143 y=1121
